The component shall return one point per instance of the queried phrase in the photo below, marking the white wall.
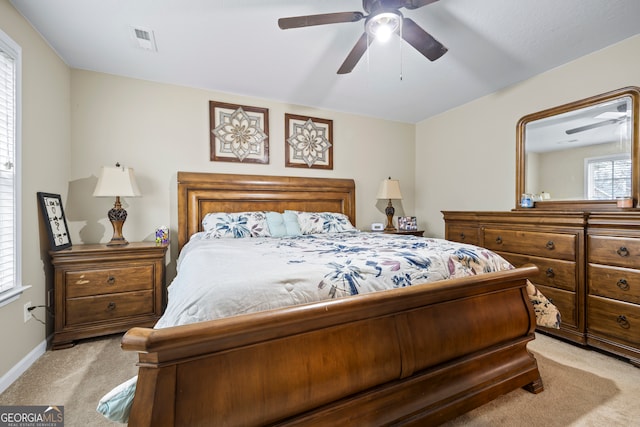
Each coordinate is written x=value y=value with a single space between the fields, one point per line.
x=160 y=129
x=45 y=165
x=465 y=158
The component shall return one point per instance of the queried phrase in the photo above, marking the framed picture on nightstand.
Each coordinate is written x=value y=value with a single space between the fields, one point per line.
x=407 y=223
x=55 y=221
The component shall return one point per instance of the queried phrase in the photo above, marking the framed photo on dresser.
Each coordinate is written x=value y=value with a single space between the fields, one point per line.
x=54 y=220
x=407 y=223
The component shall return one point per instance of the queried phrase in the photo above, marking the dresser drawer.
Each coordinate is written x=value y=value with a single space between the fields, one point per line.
x=564 y=301
x=551 y=272
x=614 y=282
x=108 y=280
x=548 y=245
x=614 y=319
x=619 y=251
x=108 y=307
x=462 y=234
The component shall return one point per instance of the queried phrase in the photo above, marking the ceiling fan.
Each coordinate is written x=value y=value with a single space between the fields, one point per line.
x=622 y=115
x=383 y=19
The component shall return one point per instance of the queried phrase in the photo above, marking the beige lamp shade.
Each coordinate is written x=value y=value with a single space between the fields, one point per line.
x=116 y=181
x=390 y=189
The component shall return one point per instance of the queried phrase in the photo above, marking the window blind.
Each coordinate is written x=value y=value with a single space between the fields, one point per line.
x=8 y=214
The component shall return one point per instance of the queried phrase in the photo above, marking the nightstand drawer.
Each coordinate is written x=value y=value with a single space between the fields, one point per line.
x=548 y=245
x=108 y=307
x=614 y=282
x=108 y=280
x=620 y=251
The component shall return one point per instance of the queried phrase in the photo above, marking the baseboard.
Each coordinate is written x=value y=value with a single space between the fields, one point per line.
x=24 y=364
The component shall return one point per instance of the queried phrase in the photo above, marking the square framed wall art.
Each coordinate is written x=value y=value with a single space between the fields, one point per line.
x=308 y=142
x=239 y=133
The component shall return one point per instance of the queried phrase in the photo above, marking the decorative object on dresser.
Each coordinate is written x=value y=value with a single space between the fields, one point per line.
x=55 y=221
x=117 y=181
x=308 y=142
x=102 y=289
x=389 y=189
x=238 y=133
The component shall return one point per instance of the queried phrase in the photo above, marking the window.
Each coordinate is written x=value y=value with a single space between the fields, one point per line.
x=608 y=177
x=10 y=280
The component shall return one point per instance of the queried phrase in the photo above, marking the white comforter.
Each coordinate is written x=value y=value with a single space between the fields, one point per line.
x=224 y=277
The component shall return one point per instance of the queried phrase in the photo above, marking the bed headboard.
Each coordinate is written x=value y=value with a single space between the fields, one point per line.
x=201 y=193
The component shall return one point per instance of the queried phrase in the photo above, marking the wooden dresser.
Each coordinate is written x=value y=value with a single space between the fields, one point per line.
x=103 y=289
x=589 y=266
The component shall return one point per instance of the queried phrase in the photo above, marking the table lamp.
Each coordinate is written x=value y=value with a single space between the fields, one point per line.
x=389 y=189
x=117 y=181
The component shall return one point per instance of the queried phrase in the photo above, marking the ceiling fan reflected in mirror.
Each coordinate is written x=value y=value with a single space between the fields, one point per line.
x=621 y=115
x=384 y=19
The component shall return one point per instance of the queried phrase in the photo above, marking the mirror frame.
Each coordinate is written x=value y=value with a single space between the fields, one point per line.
x=582 y=205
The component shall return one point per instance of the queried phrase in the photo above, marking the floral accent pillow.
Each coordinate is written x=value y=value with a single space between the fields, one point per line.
x=324 y=222
x=236 y=225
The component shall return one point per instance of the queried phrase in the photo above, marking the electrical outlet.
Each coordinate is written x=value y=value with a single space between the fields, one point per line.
x=27 y=313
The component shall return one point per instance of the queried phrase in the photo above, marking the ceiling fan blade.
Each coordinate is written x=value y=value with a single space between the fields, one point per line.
x=591 y=126
x=322 y=19
x=422 y=41
x=356 y=53
x=414 y=4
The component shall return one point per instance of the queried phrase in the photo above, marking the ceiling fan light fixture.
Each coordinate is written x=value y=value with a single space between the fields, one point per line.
x=382 y=25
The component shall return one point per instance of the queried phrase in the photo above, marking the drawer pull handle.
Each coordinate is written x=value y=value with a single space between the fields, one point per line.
x=623 y=251
x=462 y=236
x=111 y=280
x=623 y=322
x=550 y=273
x=499 y=240
x=623 y=284
x=550 y=245
x=111 y=306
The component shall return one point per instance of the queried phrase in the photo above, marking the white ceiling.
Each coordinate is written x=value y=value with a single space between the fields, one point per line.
x=235 y=46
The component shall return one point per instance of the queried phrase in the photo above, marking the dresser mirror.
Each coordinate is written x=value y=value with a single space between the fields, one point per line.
x=582 y=155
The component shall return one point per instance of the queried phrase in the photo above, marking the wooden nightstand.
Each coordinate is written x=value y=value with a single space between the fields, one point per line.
x=418 y=233
x=102 y=290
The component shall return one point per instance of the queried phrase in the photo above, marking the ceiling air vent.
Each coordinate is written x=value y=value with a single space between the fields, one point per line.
x=144 y=38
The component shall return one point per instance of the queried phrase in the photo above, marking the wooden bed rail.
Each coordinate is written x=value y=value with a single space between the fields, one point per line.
x=419 y=354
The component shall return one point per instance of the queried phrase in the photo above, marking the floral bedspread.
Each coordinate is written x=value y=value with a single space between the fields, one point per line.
x=224 y=277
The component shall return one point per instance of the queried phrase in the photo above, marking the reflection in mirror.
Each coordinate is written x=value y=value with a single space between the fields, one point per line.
x=580 y=152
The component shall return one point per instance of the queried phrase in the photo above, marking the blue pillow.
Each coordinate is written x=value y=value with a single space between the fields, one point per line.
x=291 y=223
x=275 y=221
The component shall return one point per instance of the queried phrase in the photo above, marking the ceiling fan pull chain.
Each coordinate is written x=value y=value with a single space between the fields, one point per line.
x=400 y=44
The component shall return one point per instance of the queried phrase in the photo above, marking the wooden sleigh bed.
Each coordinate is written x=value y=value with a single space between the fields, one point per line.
x=417 y=355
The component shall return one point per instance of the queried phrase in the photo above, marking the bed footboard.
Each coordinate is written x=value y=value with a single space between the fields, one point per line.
x=416 y=355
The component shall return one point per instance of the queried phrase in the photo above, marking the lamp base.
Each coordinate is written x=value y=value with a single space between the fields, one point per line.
x=389 y=211
x=117 y=215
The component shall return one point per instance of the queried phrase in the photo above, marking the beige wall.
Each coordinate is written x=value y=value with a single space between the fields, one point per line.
x=465 y=158
x=160 y=129
x=45 y=167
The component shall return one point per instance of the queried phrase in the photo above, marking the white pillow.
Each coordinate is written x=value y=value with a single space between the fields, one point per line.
x=324 y=222
x=116 y=405
x=236 y=225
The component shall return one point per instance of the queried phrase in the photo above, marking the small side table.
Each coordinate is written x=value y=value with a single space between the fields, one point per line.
x=101 y=290
x=418 y=233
